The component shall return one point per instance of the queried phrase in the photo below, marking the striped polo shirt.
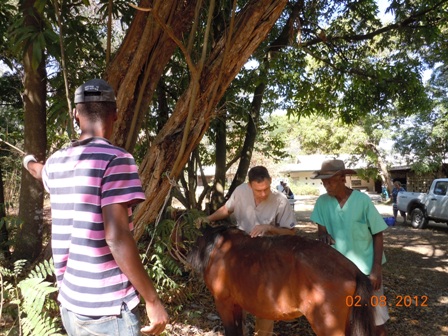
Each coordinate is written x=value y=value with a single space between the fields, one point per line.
x=81 y=179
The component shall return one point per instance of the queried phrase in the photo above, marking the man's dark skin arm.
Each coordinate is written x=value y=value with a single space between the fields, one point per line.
x=376 y=273
x=377 y=269
x=125 y=252
x=324 y=236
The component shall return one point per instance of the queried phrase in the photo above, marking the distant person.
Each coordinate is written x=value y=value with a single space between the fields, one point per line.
x=348 y=220
x=259 y=211
x=93 y=186
x=288 y=192
x=397 y=188
x=281 y=186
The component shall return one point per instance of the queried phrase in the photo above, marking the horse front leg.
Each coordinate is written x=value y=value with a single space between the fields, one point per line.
x=231 y=317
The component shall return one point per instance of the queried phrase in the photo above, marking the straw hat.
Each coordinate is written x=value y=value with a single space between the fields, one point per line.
x=331 y=168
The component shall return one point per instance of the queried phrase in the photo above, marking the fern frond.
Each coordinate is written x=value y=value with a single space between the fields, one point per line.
x=35 y=291
x=19 y=266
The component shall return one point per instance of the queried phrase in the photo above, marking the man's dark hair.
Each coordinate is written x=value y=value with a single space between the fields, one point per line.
x=96 y=110
x=258 y=174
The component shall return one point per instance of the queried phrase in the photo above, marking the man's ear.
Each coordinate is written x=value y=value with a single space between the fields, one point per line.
x=76 y=116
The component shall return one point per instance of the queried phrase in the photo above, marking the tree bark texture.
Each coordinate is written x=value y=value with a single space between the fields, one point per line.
x=29 y=245
x=217 y=195
x=139 y=63
x=252 y=24
x=4 y=236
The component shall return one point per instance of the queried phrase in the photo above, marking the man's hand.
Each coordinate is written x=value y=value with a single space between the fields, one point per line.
x=27 y=159
x=267 y=229
x=158 y=318
x=260 y=230
x=200 y=222
x=34 y=167
x=327 y=239
x=376 y=277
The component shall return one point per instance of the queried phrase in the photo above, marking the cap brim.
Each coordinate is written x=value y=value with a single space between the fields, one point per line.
x=322 y=177
x=327 y=176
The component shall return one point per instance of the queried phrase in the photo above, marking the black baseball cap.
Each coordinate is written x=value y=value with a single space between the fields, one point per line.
x=94 y=90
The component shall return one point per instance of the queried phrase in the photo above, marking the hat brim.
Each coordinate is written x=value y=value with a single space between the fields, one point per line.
x=322 y=175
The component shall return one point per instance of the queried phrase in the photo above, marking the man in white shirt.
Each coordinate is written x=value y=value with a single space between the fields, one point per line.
x=259 y=211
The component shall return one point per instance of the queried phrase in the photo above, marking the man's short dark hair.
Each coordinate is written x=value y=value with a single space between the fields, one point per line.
x=259 y=174
x=95 y=111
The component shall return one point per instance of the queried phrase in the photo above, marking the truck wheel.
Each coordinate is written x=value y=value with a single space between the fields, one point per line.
x=418 y=219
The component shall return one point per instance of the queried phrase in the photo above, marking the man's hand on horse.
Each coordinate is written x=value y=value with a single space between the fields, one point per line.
x=327 y=239
x=260 y=230
x=201 y=222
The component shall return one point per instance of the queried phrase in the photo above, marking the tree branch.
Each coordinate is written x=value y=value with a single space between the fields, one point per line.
x=395 y=26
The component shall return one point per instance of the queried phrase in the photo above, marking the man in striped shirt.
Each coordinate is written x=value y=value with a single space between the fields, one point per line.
x=92 y=186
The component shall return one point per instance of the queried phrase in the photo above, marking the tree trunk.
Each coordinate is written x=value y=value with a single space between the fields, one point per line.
x=217 y=196
x=4 y=236
x=249 y=141
x=29 y=242
x=284 y=39
x=144 y=53
x=382 y=167
x=252 y=24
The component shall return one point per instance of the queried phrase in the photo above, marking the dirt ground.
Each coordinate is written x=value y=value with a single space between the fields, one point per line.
x=415 y=283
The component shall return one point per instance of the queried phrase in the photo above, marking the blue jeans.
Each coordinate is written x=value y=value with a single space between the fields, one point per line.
x=125 y=324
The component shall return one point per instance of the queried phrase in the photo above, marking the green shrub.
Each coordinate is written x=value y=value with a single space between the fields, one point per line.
x=27 y=299
x=305 y=190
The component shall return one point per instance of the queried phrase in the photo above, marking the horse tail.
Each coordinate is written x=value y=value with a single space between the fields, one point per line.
x=362 y=315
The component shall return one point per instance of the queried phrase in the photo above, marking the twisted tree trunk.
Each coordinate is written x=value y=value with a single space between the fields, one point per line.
x=252 y=24
x=139 y=63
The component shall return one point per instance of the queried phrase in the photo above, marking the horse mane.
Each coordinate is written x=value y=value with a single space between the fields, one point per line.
x=199 y=256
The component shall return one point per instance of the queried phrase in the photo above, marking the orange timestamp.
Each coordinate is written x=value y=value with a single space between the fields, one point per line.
x=381 y=301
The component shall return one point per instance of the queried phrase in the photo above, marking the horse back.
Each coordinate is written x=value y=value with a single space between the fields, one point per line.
x=276 y=277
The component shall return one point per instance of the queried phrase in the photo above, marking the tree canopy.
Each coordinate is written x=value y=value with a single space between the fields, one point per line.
x=182 y=70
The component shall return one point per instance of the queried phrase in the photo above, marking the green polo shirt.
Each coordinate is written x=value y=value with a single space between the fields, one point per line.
x=351 y=226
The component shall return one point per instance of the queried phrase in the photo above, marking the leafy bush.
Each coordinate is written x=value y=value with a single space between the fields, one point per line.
x=165 y=257
x=305 y=190
x=28 y=299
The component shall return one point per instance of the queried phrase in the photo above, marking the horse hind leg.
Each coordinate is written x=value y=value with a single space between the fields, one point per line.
x=328 y=322
x=328 y=312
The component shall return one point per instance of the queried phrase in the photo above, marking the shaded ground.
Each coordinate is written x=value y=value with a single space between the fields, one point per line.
x=415 y=274
x=417 y=269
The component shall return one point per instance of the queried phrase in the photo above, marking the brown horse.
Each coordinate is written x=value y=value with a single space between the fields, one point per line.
x=282 y=278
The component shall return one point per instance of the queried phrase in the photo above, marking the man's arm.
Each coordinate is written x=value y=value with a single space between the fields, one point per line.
x=376 y=273
x=219 y=214
x=124 y=250
x=324 y=236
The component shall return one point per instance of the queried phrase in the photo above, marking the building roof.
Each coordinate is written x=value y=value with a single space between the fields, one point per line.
x=311 y=163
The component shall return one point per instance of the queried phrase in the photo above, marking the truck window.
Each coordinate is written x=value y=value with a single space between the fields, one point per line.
x=441 y=188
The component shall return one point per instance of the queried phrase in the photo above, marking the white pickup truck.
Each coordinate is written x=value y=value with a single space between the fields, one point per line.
x=422 y=207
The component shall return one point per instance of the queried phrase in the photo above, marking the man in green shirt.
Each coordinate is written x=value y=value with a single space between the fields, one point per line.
x=348 y=220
